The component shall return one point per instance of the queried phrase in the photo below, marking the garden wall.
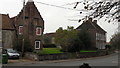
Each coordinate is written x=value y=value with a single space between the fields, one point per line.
x=54 y=56
x=31 y=56
x=61 y=56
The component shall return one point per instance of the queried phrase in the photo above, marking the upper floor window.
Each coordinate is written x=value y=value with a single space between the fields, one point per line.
x=20 y=30
x=38 y=31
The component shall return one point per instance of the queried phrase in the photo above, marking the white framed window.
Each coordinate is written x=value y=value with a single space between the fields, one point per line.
x=20 y=30
x=38 y=31
x=37 y=44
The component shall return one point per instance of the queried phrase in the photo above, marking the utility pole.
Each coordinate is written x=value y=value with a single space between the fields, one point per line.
x=23 y=27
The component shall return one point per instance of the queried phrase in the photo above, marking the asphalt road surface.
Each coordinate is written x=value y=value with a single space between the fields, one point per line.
x=110 y=61
x=101 y=61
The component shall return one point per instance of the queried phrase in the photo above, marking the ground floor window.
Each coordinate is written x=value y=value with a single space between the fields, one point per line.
x=37 y=44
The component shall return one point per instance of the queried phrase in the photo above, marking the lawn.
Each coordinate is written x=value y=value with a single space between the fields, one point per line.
x=88 y=51
x=57 y=51
x=50 y=51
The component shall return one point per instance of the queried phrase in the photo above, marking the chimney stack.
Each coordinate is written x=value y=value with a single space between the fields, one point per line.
x=90 y=19
x=95 y=21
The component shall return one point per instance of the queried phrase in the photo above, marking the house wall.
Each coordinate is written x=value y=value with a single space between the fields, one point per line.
x=0 y=31
x=8 y=38
x=7 y=31
x=100 y=40
x=32 y=20
x=0 y=22
x=92 y=33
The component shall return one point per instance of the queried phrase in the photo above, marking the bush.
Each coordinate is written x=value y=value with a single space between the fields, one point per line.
x=72 y=40
x=49 y=46
x=107 y=46
x=68 y=40
x=27 y=46
x=115 y=41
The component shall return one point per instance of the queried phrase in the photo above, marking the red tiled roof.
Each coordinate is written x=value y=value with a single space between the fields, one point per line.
x=6 y=22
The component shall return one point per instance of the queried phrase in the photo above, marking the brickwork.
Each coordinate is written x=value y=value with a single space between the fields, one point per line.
x=32 y=20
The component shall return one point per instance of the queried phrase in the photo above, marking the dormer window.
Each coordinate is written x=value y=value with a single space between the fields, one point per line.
x=39 y=31
x=20 y=30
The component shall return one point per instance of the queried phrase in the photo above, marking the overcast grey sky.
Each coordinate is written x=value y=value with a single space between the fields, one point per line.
x=55 y=17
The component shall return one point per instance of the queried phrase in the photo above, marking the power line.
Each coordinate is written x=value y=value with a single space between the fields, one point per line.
x=72 y=3
x=58 y=6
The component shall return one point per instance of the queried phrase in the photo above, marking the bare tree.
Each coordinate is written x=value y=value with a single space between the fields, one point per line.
x=110 y=9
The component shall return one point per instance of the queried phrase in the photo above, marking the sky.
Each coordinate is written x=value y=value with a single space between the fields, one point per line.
x=56 y=17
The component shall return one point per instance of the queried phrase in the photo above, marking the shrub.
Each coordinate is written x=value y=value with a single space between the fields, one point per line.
x=49 y=46
x=27 y=46
x=115 y=41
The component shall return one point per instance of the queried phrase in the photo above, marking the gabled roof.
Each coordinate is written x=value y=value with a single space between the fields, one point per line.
x=99 y=28
x=89 y=24
x=31 y=12
x=6 y=22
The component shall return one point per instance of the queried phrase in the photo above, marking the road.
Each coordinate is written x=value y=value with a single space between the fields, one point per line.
x=110 y=60
x=101 y=61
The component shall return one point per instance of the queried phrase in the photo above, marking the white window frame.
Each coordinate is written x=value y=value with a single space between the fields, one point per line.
x=37 y=31
x=35 y=44
x=19 y=30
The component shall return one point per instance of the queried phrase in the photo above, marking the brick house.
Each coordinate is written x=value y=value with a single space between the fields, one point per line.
x=95 y=31
x=32 y=27
x=8 y=31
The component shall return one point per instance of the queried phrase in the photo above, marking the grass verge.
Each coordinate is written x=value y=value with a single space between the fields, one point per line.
x=50 y=51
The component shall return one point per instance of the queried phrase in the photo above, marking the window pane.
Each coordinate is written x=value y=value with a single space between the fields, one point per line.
x=38 y=31
x=20 y=29
x=37 y=44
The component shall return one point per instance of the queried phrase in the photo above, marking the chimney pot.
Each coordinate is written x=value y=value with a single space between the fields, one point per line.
x=95 y=21
x=90 y=19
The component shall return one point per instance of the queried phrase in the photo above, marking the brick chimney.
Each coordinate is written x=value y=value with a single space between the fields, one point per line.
x=95 y=21
x=90 y=19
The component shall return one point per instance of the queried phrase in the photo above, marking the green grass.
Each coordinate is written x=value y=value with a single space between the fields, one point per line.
x=88 y=51
x=50 y=51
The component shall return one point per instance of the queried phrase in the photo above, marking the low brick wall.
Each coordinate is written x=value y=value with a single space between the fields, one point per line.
x=87 y=54
x=54 y=56
x=31 y=56
x=36 y=57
